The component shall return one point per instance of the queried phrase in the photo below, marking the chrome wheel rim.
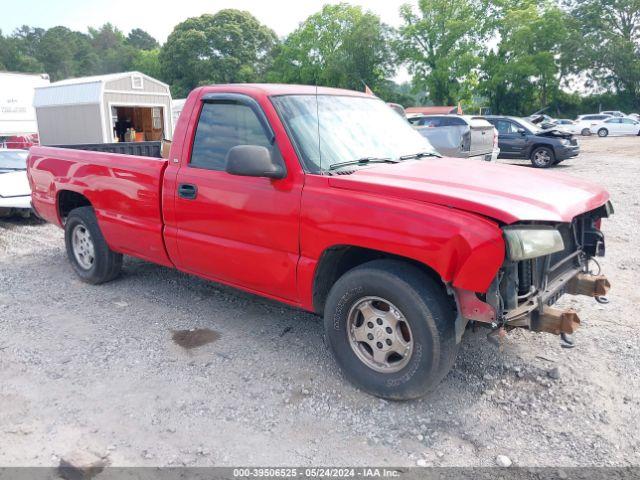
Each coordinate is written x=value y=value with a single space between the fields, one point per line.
x=83 y=249
x=542 y=157
x=379 y=335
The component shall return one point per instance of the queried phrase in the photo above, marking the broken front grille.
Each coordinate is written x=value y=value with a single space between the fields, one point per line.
x=534 y=275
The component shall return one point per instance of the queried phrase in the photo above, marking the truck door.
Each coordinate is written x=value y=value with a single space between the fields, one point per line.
x=235 y=229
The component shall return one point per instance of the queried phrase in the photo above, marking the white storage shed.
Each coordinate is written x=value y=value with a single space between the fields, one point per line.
x=102 y=108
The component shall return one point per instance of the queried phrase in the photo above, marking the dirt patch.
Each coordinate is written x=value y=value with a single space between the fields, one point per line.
x=194 y=338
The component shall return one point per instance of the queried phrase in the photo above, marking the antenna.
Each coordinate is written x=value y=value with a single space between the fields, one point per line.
x=318 y=123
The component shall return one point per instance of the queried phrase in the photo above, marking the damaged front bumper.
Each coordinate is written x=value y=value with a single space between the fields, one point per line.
x=524 y=292
x=537 y=313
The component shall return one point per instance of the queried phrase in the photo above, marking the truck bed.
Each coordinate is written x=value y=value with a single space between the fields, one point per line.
x=124 y=190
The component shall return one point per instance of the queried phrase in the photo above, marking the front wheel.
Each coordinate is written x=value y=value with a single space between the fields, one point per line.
x=391 y=329
x=92 y=259
x=543 y=157
x=603 y=132
x=586 y=132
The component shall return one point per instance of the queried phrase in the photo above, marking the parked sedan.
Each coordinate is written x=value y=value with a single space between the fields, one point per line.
x=617 y=126
x=15 y=193
x=519 y=138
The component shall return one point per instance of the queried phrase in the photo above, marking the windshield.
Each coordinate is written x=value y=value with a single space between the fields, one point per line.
x=349 y=129
x=531 y=126
x=13 y=160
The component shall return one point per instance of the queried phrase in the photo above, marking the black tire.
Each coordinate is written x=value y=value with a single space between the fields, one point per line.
x=429 y=312
x=603 y=132
x=585 y=132
x=106 y=264
x=543 y=157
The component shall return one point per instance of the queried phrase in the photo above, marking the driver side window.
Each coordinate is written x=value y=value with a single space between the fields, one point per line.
x=222 y=126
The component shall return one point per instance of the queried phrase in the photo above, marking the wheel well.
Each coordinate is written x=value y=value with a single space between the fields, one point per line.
x=338 y=260
x=538 y=145
x=68 y=200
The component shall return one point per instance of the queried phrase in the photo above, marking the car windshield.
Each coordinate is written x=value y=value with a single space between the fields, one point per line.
x=13 y=160
x=330 y=129
x=531 y=126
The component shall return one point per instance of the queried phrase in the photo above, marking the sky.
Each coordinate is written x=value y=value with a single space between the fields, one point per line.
x=283 y=16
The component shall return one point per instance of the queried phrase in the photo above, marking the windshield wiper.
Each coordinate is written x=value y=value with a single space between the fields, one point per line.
x=362 y=161
x=419 y=155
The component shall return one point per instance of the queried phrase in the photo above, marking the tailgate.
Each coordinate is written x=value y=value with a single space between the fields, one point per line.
x=481 y=137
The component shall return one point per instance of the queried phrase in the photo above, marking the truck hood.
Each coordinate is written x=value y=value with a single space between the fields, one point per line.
x=507 y=193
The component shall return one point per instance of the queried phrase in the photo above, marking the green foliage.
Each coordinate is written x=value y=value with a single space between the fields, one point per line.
x=514 y=56
x=607 y=46
x=441 y=44
x=141 y=40
x=147 y=62
x=523 y=73
x=230 y=46
x=340 y=46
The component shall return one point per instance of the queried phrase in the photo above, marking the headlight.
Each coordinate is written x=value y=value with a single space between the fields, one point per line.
x=525 y=243
x=566 y=141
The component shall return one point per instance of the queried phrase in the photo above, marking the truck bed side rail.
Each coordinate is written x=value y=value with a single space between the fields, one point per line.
x=141 y=149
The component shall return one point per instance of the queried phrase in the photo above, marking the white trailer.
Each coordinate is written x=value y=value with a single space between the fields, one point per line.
x=17 y=115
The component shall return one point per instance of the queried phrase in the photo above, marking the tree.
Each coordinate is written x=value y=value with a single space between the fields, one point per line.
x=340 y=46
x=141 y=40
x=607 y=46
x=64 y=53
x=523 y=74
x=230 y=46
x=148 y=62
x=113 y=52
x=441 y=44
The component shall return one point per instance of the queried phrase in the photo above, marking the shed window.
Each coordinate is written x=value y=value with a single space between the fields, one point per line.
x=136 y=82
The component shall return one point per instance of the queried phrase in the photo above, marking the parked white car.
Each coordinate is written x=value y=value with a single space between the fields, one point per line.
x=614 y=113
x=617 y=126
x=584 y=123
x=15 y=193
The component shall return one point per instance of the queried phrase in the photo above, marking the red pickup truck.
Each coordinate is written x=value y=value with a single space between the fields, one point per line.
x=329 y=201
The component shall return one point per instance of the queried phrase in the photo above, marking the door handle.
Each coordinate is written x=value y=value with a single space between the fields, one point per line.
x=188 y=191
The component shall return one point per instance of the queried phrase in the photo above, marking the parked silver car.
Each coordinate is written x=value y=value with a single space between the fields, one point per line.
x=462 y=136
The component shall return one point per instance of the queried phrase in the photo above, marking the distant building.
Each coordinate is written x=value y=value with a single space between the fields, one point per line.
x=17 y=115
x=431 y=110
x=100 y=109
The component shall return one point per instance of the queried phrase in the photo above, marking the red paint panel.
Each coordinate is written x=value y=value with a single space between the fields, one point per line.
x=462 y=248
x=124 y=191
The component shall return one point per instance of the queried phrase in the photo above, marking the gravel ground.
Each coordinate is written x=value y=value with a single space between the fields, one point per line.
x=97 y=369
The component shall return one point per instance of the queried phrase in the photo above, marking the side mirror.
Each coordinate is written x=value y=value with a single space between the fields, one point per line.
x=253 y=161
x=522 y=131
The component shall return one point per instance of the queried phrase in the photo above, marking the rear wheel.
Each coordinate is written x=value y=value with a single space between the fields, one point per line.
x=603 y=132
x=543 y=157
x=92 y=259
x=391 y=329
